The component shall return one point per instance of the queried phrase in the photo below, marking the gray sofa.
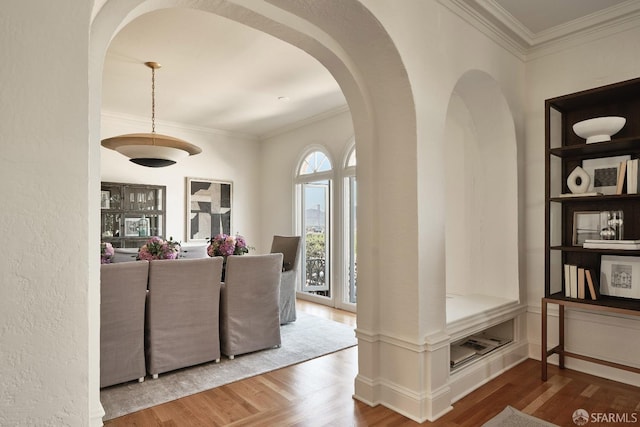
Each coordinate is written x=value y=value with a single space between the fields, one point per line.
x=249 y=304
x=182 y=313
x=123 y=290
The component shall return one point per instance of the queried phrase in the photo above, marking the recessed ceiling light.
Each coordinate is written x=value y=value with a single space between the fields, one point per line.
x=284 y=98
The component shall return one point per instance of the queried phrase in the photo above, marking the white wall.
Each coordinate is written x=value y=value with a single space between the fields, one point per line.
x=45 y=345
x=281 y=155
x=601 y=59
x=224 y=157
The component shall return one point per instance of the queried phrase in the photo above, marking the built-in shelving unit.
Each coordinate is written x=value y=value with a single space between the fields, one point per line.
x=125 y=208
x=564 y=152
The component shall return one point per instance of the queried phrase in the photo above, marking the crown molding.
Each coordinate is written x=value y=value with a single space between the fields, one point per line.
x=488 y=25
x=498 y=24
x=306 y=122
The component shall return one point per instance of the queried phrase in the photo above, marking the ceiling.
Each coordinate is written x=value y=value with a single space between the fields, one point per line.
x=222 y=75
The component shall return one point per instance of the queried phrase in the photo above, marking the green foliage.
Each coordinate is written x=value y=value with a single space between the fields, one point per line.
x=315 y=245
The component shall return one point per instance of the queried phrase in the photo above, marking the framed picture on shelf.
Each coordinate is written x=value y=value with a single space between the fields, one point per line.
x=603 y=173
x=586 y=225
x=620 y=276
x=209 y=211
x=131 y=227
x=105 y=199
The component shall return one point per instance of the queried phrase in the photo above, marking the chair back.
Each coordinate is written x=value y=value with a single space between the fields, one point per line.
x=249 y=306
x=123 y=291
x=288 y=246
x=182 y=313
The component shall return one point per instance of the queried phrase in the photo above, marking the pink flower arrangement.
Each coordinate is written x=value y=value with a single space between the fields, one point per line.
x=225 y=245
x=157 y=248
x=106 y=252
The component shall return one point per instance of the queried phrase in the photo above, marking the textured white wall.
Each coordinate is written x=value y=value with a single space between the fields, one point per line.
x=581 y=65
x=44 y=279
x=224 y=157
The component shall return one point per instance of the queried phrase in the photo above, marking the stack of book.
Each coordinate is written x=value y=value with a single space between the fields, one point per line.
x=612 y=244
x=580 y=283
x=628 y=169
x=474 y=346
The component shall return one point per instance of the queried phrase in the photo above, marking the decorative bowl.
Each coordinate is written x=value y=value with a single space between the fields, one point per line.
x=599 y=129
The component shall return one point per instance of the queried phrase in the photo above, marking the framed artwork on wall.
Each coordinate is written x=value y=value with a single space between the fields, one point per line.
x=604 y=173
x=209 y=205
x=131 y=227
x=586 y=225
x=620 y=276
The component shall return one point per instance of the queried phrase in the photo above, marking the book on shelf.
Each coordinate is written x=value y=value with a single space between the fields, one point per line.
x=581 y=284
x=576 y=281
x=573 y=271
x=567 y=281
x=632 y=176
x=592 y=284
x=580 y=194
x=612 y=244
x=622 y=172
x=460 y=354
x=475 y=345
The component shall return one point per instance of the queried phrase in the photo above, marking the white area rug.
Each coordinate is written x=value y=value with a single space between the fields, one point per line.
x=511 y=417
x=306 y=338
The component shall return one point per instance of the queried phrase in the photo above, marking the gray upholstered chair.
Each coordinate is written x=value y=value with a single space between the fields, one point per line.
x=182 y=313
x=193 y=250
x=123 y=291
x=124 y=255
x=249 y=304
x=289 y=247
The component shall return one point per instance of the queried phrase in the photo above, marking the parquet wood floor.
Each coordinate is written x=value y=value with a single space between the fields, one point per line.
x=319 y=393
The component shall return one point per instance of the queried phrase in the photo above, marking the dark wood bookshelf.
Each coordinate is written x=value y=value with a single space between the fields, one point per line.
x=564 y=151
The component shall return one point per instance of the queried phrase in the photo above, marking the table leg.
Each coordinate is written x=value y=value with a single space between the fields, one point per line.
x=561 y=336
x=543 y=344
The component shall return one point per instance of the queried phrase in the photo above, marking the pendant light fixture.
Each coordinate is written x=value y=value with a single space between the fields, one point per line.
x=151 y=149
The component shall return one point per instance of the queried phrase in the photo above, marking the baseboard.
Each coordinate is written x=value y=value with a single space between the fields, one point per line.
x=97 y=413
x=417 y=407
x=481 y=371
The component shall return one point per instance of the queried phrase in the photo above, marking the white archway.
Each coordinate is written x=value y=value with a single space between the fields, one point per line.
x=327 y=32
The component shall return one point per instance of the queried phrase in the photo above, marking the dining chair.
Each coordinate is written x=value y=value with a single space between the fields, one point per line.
x=289 y=247
x=182 y=313
x=249 y=304
x=123 y=291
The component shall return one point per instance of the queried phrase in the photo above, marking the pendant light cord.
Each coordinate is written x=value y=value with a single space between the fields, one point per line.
x=153 y=100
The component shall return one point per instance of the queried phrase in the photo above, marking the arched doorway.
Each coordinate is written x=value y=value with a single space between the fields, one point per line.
x=349 y=56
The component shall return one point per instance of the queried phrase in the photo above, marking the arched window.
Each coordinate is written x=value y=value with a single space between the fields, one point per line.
x=350 y=228
x=313 y=190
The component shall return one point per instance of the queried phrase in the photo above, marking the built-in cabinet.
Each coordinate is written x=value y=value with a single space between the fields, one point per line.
x=567 y=214
x=131 y=213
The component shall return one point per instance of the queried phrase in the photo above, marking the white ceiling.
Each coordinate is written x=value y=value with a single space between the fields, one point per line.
x=222 y=75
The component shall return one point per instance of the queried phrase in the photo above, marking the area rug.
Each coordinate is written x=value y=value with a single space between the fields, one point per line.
x=511 y=417
x=306 y=338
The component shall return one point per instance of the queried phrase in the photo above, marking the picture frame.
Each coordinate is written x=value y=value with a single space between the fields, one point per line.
x=105 y=199
x=209 y=208
x=603 y=173
x=620 y=276
x=131 y=227
x=586 y=225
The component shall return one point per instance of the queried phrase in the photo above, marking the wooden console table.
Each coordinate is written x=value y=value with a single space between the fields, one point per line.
x=597 y=306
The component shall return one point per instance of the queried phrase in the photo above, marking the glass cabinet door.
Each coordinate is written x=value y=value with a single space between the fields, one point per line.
x=131 y=213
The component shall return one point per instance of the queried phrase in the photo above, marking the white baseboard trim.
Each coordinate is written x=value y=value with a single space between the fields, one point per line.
x=417 y=407
x=480 y=372
x=97 y=412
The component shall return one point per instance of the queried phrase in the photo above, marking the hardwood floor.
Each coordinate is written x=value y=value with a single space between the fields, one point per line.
x=319 y=393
